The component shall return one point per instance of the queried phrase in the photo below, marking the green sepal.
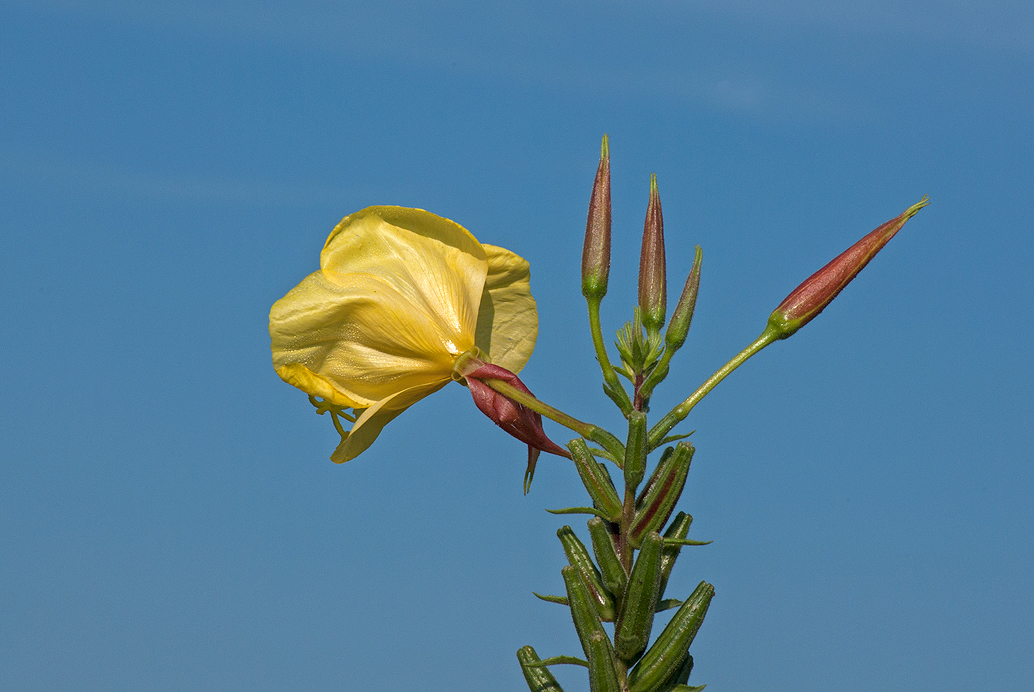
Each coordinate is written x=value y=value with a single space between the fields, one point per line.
x=550 y=599
x=538 y=677
x=666 y=604
x=579 y=559
x=561 y=660
x=579 y=510
x=665 y=489
x=635 y=621
x=665 y=656
x=613 y=572
x=635 y=450
x=596 y=480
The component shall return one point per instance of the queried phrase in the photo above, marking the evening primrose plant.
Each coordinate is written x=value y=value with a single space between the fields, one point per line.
x=406 y=302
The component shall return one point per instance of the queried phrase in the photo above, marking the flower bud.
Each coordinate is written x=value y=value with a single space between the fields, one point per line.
x=596 y=250
x=819 y=290
x=653 y=287
x=682 y=316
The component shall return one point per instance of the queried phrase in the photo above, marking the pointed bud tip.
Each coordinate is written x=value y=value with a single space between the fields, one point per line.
x=810 y=298
x=652 y=279
x=596 y=248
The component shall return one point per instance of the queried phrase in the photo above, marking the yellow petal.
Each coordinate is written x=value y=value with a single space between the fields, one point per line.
x=394 y=303
x=309 y=382
x=369 y=425
x=508 y=322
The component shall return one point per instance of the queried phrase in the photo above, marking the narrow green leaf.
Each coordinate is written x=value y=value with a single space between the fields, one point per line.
x=551 y=599
x=561 y=660
x=673 y=438
x=687 y=541
x=579 y=510
x=666 y=604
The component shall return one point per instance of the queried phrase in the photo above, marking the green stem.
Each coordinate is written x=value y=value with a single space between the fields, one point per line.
x=679 y=413
x=587 y=430
x=610 y=376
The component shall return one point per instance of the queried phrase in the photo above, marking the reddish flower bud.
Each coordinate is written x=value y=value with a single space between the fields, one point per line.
x=596 y=250
x=653 y=286
x=819 y=290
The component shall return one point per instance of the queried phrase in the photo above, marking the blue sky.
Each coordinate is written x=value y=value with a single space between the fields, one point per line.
x=169 y=519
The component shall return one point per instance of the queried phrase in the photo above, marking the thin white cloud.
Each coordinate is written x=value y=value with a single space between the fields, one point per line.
x=70 y=177
x=533 y=43
x=1002 y=25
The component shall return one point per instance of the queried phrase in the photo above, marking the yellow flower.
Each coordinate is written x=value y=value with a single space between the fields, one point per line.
x=400 y=294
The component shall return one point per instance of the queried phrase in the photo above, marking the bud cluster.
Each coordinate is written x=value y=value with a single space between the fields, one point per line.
x=636 y=534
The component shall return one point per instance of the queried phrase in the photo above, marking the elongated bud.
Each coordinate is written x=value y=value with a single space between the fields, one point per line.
x=667 y=654
x=664 y=491
x=811 y=297
x=596 y=480
x=635 y=450
x=578 y=557
x=613 y=572
x=635 y=621
x=596 y=250
x=595 y=643
x=539 y=678
x=653 y=287
x=682 y=316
